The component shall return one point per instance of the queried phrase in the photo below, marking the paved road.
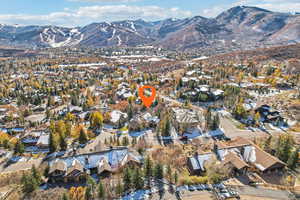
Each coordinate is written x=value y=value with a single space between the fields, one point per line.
x=22 y=165
x=262 y=192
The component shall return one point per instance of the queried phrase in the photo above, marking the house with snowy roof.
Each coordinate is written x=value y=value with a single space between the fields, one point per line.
x=117 y=118
x=104 y=163
x=185 y=119
x=240 y=154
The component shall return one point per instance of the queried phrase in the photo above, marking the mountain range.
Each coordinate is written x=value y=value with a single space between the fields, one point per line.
x=238 y=26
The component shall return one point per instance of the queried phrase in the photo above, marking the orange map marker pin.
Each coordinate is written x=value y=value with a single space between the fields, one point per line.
x=148 y=101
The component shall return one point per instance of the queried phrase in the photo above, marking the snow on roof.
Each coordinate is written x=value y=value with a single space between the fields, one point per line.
x=202 y=159
x=204 y=89
x=189 y=73
x=43 y=140
x=186 y=116
x=194 y=163
x=184 y=79
x=116 y=115
x=249 y=154
x=218 y=92
x=113 y=157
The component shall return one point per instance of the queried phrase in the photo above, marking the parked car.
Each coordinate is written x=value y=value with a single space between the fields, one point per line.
x=199 y=187
x=192 y=188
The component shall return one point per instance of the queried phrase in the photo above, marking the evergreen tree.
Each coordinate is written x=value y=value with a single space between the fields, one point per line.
x=53 y=143
x=29 y=183
x=130 y=111
x=167 y=131
x=216 y=123
x=119 y=189
x=83 y=138
x=65 y=197
x=169 y=172
x=36 y=175
x=148 y=168
x=19 y=148
x=158 y=171
x=133 y=141
x=125 y=141
x=127 y=180
x=88 y=193
x=267 y=145
x=138 y=180
x=91 y=184
x=63 y=143
x=175 y=178
x=293 y=159
x=101 y=191
x=208 y=118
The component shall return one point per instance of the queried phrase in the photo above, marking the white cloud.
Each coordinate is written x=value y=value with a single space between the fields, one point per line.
x=85 y=15
x=273 y=5
x=105 y=1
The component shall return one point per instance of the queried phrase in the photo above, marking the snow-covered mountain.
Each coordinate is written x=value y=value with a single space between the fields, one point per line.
x=238 y=25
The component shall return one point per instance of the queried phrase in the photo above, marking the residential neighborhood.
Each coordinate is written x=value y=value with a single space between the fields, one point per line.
x=209 y=132
x=149 y=100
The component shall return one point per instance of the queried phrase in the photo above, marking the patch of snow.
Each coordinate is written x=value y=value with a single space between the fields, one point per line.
x=132 y=26
x=140 y=133
x=137 y=195
x=113 y=35
x=119 y=41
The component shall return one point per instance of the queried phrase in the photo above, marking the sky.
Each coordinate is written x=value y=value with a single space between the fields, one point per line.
x=72 y=13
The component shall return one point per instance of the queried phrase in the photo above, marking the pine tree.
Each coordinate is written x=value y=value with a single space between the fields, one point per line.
x=83 y=138
x=169 y=172
x=63 y=143
x=19 y=148
x=36 y=175
x=148 y=168
x=53 y=143
x=92 y=185
x=208 y=119
x=158 y=171
x=127 y=180
x=101 y=191
x=119 y=189
x=293 y=159
x=125 y=141
x=29 y=183
x=133 y=141
x=175 y=178
x=267 y=144
x=138 y=180
x=65 y=197
x=88 y=193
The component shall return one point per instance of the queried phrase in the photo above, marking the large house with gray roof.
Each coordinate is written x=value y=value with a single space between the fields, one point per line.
x=240 y=154
x=77 y=167
x=185 y=119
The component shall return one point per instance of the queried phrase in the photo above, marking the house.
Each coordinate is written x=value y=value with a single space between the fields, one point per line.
x=31 y=138
x=36 y=118
x=270 y=116
x=241 y=155
x=184 y=119
x=117 y=118
x=75 y=168
x=217 y=94
x=43 y=142
x=196 y=163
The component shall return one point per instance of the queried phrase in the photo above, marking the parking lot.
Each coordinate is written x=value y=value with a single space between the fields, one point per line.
x=197 y=195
